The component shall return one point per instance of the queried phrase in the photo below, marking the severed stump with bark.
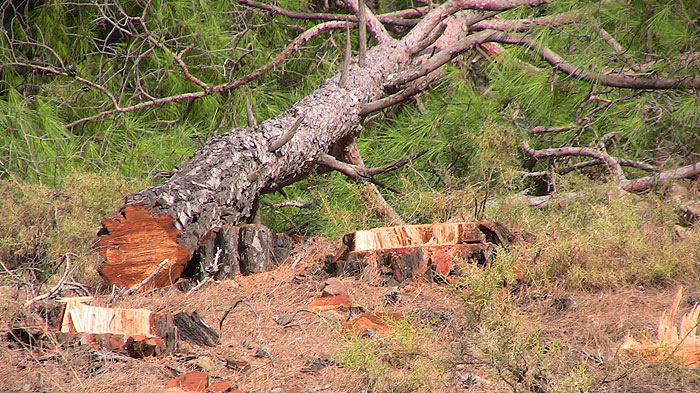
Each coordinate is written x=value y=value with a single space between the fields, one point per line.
x=414 y=252
x=142 y=251
x=136 y=332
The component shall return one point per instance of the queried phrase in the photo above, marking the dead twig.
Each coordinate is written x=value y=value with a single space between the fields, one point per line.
x=522 y=25
x=358 y=172
x=199 y=284
x=615 y=164
x=228 y=311
x=346 y=58
x=362 y=21
x=542 y=130
x=447 y=54
x=57 y=288
x=302 y=253
x=380 y=205
x=291 y=48
x=140 y=285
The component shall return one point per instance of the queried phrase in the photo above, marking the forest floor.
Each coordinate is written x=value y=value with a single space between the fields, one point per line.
x=519 y=337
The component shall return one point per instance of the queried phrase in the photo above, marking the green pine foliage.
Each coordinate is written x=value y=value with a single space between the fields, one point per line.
x=472 y=123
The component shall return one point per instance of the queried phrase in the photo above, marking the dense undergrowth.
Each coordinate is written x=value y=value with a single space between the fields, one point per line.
x=57 y=183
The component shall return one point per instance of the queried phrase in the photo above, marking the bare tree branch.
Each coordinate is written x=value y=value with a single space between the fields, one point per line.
x=287 y=135
x=53 y=71
x=635 y=185
x=376 y=199
x=644 y=183
x=362 y=21
x=427 y=23
x=542 y=130
x=393 y=18
x=414 y=88
x=57 y=288
x=302 y=38
x=689 y=82
x=352 y=171
x=612 y=162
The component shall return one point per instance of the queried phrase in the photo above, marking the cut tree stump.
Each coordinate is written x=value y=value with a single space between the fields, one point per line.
x=134 y=242
x=138 y=332
x=222 y=253
x=414 y=252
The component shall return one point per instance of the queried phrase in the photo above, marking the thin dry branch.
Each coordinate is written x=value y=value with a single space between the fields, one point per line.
x=279 y=142
x=644 y=183
x=176 y=56
x=542 y=130
x=346 y=58
x=432 y=19
x=352 y=171
x=382 y=207
x=228 y=311
x=688 y=82
x=250 y=116
x=57 y=288
x=54 y=71
x=612 y=162
x=362 y=21
x=397 y=18
x=441 y=58
x=415 y=88
x=302 y=38
x=147 y=279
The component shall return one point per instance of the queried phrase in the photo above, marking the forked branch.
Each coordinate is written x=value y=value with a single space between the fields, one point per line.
x=615 y=164
x=359 y=172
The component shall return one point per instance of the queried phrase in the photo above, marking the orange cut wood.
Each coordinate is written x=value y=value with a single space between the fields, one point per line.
x=139 y=332
x=194 y=381
x=329 y=303
x=418 y=236
x=133 y=244
x=219 y=387
x=372 y=322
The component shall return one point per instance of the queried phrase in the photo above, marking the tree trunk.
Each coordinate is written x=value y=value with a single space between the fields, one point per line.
x=219 y=184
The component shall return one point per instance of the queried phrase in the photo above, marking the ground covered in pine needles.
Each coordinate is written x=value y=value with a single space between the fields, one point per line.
x=548 y=315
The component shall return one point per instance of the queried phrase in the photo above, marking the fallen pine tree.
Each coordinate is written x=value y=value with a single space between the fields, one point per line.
x=221 y=184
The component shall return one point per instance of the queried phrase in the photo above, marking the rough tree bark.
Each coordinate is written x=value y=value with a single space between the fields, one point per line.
x=219 y=185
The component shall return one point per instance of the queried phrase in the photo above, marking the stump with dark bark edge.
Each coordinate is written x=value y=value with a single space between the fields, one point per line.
x=414 y=252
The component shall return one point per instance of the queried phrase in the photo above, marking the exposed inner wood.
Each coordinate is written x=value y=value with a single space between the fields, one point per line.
x=437 y=234
x=392 y=255
x=82 y=318
x=138 y=332
x=134 y=242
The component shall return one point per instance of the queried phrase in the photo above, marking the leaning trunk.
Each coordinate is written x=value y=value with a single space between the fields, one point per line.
x=219 y=184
